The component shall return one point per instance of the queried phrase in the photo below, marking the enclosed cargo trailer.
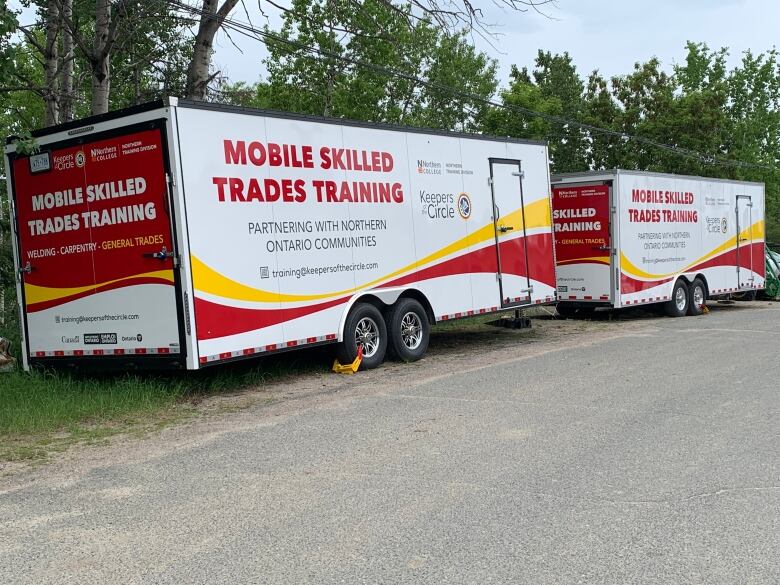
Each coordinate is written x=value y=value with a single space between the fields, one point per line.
x=184 y=234
x=625 y=238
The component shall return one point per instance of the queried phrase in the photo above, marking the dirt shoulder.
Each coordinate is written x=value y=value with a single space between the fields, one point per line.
x=457 y=347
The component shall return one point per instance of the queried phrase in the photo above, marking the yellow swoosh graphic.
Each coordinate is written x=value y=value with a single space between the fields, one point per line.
x=755 y=233
x=39 y=294
x=590 y=258
x=209 y=281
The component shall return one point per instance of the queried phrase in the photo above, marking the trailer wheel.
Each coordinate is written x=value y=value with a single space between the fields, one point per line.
x=408 y=329
x=364 y=327
x=697 y=297
x=678 y=305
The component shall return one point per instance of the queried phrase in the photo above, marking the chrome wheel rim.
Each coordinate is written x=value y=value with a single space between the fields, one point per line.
x=411 y=330
x=698 y=296
x=367 y=336
x=679 y=298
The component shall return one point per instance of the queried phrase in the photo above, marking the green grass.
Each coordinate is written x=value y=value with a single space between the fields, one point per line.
x=36 y=402
x=43 y=412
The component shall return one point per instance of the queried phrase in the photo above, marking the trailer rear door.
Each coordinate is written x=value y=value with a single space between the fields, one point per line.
x=583 y=257
x=745 y=260
x=508 y=217
x=94 y=235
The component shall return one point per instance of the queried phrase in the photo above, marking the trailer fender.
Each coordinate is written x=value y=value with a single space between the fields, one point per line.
x=382 y=300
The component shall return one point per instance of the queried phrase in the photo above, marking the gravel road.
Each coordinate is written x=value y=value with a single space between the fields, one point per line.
x=645 y=451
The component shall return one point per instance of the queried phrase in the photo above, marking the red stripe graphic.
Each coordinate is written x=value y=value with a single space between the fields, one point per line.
x=216 y=320
x=629 y=284
x=106 y=287
x=484 y=261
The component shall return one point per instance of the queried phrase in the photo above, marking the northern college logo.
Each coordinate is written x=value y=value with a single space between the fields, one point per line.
x=80 y=159
x=428 y=167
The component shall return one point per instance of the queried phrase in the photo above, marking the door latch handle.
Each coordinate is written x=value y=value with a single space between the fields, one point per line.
x=505 y=228
x=163 y=254
x=528 y=290
x=26 y=269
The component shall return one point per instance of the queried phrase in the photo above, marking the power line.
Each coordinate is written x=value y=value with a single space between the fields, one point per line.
x=257 y=34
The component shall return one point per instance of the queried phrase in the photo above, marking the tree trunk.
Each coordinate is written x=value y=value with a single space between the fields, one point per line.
x=67 y=100
x=211 y=20
x=51 y=65
x=101 y=62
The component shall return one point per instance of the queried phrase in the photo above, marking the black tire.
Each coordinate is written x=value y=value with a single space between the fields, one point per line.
x=368 y=318
x=566 y=310
x=678 y=305
x=697 y=297
x=408 y=330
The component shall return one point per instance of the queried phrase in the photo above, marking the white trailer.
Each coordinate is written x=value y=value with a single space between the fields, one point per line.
x=625 y=238
x=183 y=234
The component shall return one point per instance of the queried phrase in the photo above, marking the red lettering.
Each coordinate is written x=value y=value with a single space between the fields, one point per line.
x=300 y=192
x=236 y=189
x=254 y=194
x=220 y=182
x=272 y=190
x=330 y=192
x=387 y=162
x=274 y=155
x=257 y=153
x=235 y=154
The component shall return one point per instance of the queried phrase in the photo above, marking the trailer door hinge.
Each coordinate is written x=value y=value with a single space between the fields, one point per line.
x=171 y=179
x=26 y=269
x=520 y=174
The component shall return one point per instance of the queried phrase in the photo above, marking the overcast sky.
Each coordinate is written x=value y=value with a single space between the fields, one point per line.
x=609 y=35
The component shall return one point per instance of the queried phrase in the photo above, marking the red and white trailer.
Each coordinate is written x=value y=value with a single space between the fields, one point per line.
x=625 y=238
x=182 y=234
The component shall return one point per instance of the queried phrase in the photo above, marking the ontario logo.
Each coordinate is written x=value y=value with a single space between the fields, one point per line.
x=464 y=205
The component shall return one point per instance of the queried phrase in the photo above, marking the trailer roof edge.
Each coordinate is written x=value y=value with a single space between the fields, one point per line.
x=184 y=103
x=112 y=115
x=589 y=175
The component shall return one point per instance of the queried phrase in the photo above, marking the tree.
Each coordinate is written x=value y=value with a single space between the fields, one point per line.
x=366 y=63
x=212 y=17
x=522 y=93
x=557 y=77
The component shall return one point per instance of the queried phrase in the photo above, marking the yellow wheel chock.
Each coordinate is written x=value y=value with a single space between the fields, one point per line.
x=349 y=368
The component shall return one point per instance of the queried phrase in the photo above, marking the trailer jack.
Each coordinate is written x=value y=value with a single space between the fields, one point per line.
x=518 y=321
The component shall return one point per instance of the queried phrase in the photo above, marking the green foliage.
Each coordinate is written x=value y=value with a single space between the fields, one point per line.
x=523 y=93
x=700 y=106
x=332 y=82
